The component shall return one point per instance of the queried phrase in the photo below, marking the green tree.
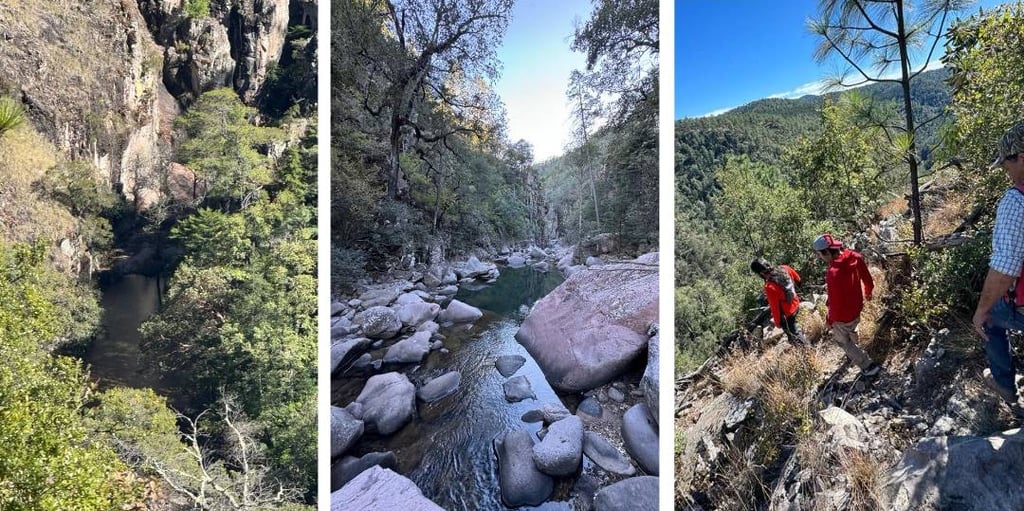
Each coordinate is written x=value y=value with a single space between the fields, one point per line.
x=197 y=8
x=873 y=36
x=213 y=238
x=50 y=462
x=428 y=45
x=985 y=54
x=844 y=172
x=763 y=212
x=218 y=462
x=225 y=149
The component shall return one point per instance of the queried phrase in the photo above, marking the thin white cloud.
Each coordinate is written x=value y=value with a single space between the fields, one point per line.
x=720 y=111
x=816 y=88
x=819 y=87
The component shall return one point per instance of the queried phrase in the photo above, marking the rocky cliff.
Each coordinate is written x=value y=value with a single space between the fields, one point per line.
x=104 y=80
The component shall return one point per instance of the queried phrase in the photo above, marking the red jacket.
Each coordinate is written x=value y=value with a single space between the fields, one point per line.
x=776 y=296
x=843 y=281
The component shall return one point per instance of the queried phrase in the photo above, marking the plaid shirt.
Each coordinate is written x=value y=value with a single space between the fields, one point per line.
x=1008 y=234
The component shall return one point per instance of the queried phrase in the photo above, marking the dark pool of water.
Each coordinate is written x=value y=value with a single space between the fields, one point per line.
x=448 y=449
x=114 y=357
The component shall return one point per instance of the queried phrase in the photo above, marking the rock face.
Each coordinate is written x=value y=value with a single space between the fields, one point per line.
x=459 y=312
x=345 y=430
x=633 y=494
x=968 y=474
x=561 y=451
x=389 y=402
x=90 y=81
x=640 y=435
x=203 y=62
x=588 y=330
x=381 y=489
x=260 y=27
x=252 y=41
x=521 y=483
x=440 y=387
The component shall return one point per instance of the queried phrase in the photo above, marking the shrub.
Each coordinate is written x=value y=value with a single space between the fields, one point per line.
x=197 y=8
x=347 y=267
x=11 y=114
x=947 y=281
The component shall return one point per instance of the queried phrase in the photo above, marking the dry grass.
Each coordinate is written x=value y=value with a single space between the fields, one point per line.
x=874 y=309
x=813 y=325
x=738 y=378
x=747 y=375
x=812 y=451
x=947 y=217
x=864 y=475
x=25 y=156
x=896 y=207
x=740 y=486
x=784 y=381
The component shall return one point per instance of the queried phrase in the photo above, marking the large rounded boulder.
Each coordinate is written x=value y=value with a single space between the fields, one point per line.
x=460 y=312
x=378 y=322
x=380 y=488
x=522 y=484
x=591 y=327
x=389 y=402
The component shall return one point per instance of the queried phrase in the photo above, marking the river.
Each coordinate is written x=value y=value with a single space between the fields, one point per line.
x=448 y=449
x=114 y=357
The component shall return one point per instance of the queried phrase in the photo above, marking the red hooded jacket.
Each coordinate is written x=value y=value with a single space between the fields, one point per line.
x=776 y=296
x=843 y=282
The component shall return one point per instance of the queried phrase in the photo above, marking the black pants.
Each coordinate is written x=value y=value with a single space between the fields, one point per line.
x=792 y=330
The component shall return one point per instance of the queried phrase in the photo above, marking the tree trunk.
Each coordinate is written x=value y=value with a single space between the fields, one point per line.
x=911 y=156
x=593 y=192
x=394 y=151
x=438 y=184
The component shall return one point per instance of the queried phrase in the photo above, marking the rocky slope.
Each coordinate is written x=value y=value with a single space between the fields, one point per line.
x=768 y=425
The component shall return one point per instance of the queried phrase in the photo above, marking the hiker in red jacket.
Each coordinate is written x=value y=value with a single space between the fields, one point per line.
x=780 y=291
x=843 y=279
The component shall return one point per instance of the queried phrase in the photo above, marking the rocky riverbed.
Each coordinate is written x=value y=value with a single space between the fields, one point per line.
x=436 y=404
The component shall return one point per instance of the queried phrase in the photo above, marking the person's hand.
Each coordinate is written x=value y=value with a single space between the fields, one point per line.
x=980 y=319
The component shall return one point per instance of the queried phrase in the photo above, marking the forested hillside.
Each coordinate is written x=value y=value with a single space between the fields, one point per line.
x=813 y=163
x=763 y=422
x=765 y=129
x=170 y=144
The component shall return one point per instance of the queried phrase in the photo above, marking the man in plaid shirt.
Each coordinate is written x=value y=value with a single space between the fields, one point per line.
x=1002 y=294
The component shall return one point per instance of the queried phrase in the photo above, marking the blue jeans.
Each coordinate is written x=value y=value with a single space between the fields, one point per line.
x=1000 y=361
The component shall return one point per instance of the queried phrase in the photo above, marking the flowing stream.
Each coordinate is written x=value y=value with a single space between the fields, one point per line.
x=448 y=449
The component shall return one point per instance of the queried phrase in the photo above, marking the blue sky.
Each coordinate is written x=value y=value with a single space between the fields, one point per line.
x=731 y=52
x=536 y=62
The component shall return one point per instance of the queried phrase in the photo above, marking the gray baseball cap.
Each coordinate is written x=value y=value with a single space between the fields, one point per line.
x=1012 y=143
